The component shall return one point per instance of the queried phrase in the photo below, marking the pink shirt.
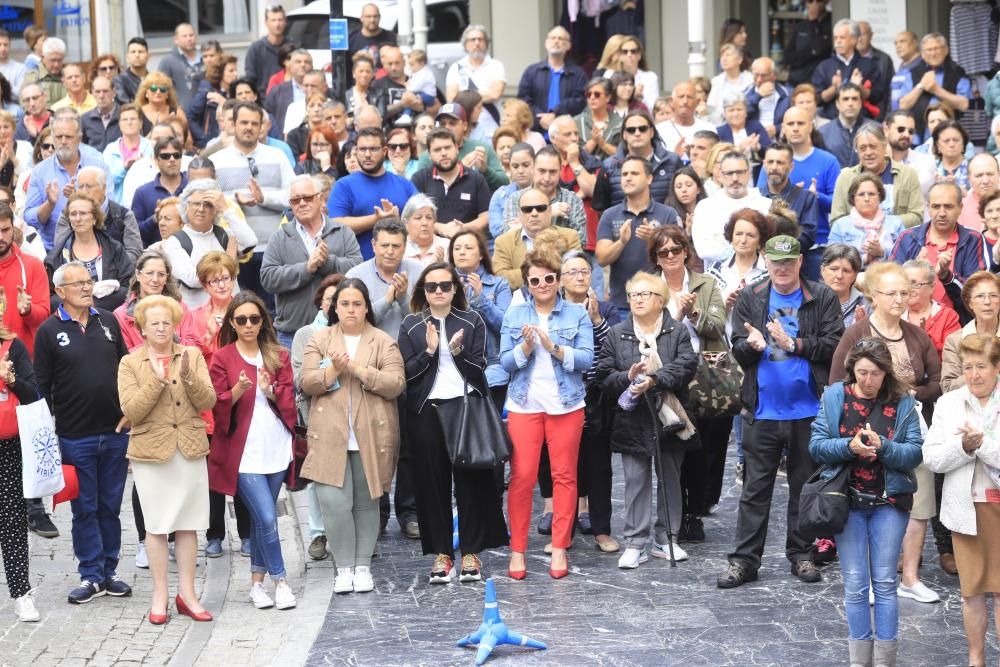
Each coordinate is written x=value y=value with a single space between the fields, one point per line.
x=970 y=213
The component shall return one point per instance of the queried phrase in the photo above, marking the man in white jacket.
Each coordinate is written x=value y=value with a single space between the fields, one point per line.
x=712 y=213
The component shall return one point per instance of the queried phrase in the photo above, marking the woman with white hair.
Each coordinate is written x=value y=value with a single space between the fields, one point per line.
x=202 y=209
x=422 y=244
x=749 y=136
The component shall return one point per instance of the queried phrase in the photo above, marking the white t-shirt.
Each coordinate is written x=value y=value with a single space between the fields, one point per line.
x=422 y=81
x=671 y=131
x=268 y=448
x=462 y=74
x=351 y=343
x=543 y=393
x=710 y=218
x=449 y=382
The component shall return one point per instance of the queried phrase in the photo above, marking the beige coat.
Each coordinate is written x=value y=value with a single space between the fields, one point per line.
x=951 y=365
x=165 y=416
x=374 y=412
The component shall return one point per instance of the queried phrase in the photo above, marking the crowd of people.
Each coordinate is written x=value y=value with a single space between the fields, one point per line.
x=228 y=280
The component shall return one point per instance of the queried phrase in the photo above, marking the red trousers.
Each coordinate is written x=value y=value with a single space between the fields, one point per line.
x=562 y=434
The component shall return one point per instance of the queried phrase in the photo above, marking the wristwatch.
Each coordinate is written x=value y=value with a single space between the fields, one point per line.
x=555 y=349
x=577 y=170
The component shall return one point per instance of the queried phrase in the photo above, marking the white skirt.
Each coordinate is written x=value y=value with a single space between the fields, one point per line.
x=174 y=494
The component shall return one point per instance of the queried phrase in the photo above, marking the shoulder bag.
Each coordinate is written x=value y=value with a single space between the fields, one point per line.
x=715 y=390
x=474 y=434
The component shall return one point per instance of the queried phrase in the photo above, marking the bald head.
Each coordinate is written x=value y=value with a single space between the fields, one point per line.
x=557 y=43
x=683 y=102
x=984 y=174
x=797 y=127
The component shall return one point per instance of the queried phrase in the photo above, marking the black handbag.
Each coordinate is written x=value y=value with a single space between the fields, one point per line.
x=474 y=434
x=824 y=503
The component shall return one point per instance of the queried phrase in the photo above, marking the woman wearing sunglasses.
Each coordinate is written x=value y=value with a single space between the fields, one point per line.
x=252 y=445
x=631 y=60
x=353 y=373
x=649 y=355
x=546 y=344
x=443 y=344
x=600 y=129
x=696 y=302
x=157 y=99
x=400 y=153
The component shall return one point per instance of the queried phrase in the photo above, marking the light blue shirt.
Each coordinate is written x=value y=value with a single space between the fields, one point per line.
x=48 y=171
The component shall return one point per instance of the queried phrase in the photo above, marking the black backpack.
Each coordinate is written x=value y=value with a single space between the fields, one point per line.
x=220 y=235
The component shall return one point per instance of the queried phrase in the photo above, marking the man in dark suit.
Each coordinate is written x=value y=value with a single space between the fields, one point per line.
x=100 y=124
x=847 y=65
x=285 y=93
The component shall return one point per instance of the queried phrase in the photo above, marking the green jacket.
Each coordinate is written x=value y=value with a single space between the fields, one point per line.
x=907 y=199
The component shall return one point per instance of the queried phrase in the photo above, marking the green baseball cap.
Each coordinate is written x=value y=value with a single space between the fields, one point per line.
x=782 y=247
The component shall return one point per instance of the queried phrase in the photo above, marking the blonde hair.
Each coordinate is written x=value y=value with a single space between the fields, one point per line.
x=715 y=154
x=656 y=283
x=551 y=240
x=879 y=270
x=521 y=113
x=157 y=301
x=609 y=58
x=156 y=79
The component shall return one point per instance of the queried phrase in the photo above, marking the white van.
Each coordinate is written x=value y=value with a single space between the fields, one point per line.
x=309 y=28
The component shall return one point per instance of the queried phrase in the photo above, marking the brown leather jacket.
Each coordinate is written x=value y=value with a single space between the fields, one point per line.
x=165 y=415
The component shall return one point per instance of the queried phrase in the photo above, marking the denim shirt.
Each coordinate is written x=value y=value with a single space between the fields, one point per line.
x=491 y=304
x=570 y=328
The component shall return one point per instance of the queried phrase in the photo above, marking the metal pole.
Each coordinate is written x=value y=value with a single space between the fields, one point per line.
x=338 y=59
x=420 y=25
x=696 y=37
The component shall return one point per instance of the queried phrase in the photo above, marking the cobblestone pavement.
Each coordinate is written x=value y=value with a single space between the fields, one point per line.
x=598 y=615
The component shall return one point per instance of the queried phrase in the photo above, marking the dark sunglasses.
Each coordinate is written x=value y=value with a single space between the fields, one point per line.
x=242 y=320
x=629 y=52
x=48 y=147
x=398 y=147
x=667 y=252
x=595 y=93
x=445 y=287
x=637 y=129
x=107 y=68
x=169 y=156
x=295 y=201
x=548 y=279
x=533 y=208
x=158 y=89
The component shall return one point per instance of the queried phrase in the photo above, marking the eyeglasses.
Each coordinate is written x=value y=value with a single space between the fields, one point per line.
x=645 y=295
x=663 y=253
x=299 y=199
x=199 y=205
x=534 y=208
x=899 y=294
x=444 y=287
x=107 y=68
x=81 y=284
x=169 y=156
x=594 y=93
x=153 y=275
x=628 y=52
x=983 y=298
x=241 y=320
x=48 y=147
x=636 y=129
x=577 y=273
x=252 y=166
x=158 y=89
x=735 y=172
x=368 y=149
x=914 y=286
x=905 y=130
x=221 y=282
x=398 y=147
x=548 y=279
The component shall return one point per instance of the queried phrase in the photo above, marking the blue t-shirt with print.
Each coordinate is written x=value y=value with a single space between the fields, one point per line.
x=785 y=387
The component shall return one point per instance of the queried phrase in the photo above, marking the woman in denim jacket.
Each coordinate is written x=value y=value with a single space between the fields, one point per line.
x=870 y=423
x=487 y=294
x=546 y=344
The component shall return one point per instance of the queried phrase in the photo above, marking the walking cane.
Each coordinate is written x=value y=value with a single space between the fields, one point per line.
x=659 y=481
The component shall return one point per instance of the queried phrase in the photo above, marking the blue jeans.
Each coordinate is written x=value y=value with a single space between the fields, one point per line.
x=738 y=435
x=285 y=339
x=868 y=549
x=102 y=469
x=260 y=494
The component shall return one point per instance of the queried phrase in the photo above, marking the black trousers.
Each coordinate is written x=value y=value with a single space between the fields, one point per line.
x=763 y=442
x=217 y=517
x=13 y=520
x=249 y=279
x=703 y=468
x=481 y=523
x=942 y=536
x=404 y=498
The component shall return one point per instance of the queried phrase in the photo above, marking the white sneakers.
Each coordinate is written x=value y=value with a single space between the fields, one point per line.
x=24 y=607
x=259 y=596
x=344 y=582
x=918 y=592
x=141 y=559
x=284 y=598
x=632 y=558
x=363 y=581
x=663 y=551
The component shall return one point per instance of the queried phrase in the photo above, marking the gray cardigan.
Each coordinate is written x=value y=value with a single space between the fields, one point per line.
x=388 y=315
x=283 y=270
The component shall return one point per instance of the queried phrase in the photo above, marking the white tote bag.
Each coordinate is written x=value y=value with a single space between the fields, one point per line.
x=42 y=462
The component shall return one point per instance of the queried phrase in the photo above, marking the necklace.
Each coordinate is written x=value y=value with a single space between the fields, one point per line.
x=871 y=323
